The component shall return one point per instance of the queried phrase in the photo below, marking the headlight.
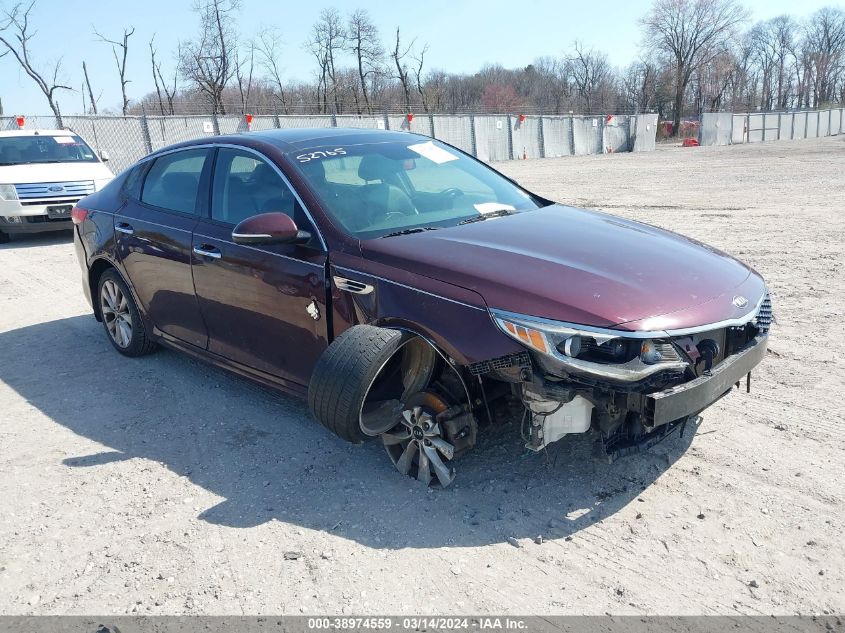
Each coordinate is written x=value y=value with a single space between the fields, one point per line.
x=8 y=193
x=625 y=356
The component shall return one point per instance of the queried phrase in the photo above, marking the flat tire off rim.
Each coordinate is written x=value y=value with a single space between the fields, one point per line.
x=116 y=315
x=406 y=372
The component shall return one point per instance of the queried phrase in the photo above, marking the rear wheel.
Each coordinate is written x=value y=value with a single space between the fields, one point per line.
x=121 y=318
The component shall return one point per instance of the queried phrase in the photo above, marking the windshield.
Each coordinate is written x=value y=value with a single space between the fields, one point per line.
x=44 y=148
x=379 y=189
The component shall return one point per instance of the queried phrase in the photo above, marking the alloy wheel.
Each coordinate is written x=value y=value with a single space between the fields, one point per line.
x=417 y=448
x=116 y=314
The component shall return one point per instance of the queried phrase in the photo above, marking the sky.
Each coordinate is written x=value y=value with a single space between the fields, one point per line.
x=463 y=35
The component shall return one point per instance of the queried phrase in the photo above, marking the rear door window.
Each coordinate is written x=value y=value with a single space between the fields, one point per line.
x=173 y=181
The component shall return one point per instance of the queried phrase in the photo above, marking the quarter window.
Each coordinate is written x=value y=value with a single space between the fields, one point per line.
x=173 y=181
x=134 y=179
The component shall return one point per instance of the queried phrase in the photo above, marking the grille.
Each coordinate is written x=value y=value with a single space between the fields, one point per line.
x=764 y=317
x=503 y=362
x=54 y=190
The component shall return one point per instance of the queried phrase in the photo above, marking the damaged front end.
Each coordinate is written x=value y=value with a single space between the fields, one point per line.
x=633 y=387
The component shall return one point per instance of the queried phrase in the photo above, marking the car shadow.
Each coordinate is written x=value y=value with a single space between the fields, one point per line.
x=268 y=460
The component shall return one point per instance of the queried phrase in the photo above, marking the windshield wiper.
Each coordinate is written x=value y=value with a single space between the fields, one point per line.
x=418 y=229
x=492 y=214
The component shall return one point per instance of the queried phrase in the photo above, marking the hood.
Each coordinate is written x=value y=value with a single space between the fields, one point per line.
x=53 y=172
x=580 y=266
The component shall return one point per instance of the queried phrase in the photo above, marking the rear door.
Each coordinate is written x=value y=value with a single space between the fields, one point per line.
x=264 y=306
x=153 y=232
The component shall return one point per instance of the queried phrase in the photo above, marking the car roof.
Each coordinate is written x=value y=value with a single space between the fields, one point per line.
x=299 y=138
x=34 y=132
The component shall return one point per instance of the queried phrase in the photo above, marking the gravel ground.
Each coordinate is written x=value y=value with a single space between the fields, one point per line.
x=163 y=486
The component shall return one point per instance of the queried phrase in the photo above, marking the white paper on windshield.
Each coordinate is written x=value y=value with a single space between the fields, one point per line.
x=492 y=207
x=64 y=140
x=433 y=153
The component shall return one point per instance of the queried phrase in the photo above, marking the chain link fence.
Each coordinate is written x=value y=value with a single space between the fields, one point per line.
x=488 y=137
x=730 y=128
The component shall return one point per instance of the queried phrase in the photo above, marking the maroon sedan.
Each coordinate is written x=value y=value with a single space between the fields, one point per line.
x=409 y=291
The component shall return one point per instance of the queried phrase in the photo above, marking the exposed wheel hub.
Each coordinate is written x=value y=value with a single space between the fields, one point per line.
x=417 y=445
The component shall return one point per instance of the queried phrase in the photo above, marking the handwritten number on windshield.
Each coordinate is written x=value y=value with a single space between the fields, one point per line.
x=305 y=158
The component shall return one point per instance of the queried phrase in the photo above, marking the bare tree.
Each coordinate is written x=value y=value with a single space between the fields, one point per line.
x=784 y=29
x=122 y=46
x=90 y=92
x=589 y=70
x=267 y=47
x=436 y=87
x=208 y=61
x=690 y=33
x=763 y=55
x=154 y=66
x=549 y=83
x=243 y=76
x=328 y=40
x=639 y=84
x=15 y=35
x=500 y=98
x=418 y=71
x=825 y=42
x=169 y=88
x=399 y=56
x=713 y=80
x=364 y=43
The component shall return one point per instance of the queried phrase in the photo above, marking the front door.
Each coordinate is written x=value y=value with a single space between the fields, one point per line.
x=264 y=306
x=153 y=231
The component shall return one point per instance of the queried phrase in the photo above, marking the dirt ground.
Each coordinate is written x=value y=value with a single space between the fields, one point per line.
x=163 y=486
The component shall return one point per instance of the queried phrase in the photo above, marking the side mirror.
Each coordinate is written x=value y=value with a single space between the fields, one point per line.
x=104 y=156
x=269 y=228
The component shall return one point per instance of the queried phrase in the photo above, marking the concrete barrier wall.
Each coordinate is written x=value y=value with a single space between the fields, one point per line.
x=488 y=137
x=758 y=127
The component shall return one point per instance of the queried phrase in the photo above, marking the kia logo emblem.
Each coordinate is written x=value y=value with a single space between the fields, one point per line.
x=739 y=301
x=55 y=188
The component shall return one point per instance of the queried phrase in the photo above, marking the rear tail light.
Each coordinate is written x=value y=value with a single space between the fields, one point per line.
x=78 y=215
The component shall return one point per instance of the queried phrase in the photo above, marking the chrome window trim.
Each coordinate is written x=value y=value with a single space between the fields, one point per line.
x=214 y=145
x=635 y=334
x=396 y=283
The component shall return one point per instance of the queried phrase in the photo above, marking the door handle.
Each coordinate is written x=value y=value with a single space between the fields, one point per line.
x=123 y=227
x=208 y=251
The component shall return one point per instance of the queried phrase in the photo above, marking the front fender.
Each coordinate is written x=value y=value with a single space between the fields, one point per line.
x=454 y=319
